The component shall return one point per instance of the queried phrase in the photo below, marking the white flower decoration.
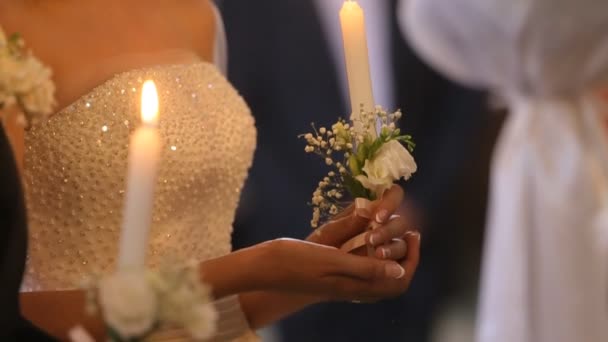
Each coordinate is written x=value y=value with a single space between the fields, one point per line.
x=185 y=301
x=201 y=321
x=364 y=162
x=40 y=99
x=24 y=80
x=129 y=303
x=391 y=163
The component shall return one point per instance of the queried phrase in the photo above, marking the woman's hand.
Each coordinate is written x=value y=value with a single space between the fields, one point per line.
x=284 y=276
x=387 y=239
x=302 y=267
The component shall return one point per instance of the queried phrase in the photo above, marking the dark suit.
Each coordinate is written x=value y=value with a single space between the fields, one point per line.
x=280 y=61
x=13 y=241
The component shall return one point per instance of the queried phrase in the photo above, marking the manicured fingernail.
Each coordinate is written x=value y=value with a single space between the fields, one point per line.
x=362 y=208
x=415 y=234
x=394 y=271
x=386 y=253
x=374 y=238
x=382 y=216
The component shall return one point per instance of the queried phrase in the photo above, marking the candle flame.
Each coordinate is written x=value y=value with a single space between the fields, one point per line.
x=149 y=103
x=350 y=5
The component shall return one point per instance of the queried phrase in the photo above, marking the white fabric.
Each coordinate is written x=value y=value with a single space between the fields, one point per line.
x=544 y=277
x=378 y=41
x=533 y=47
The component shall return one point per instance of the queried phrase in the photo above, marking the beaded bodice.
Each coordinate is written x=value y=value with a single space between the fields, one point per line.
x=76 y=163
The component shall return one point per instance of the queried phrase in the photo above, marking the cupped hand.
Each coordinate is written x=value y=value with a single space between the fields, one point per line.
x=296 y=266
x=387 y=238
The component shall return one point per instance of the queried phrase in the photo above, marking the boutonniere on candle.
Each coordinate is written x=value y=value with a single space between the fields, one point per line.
x=368 y=153
x=364 y=162
x=24 y=81
x=135 y=302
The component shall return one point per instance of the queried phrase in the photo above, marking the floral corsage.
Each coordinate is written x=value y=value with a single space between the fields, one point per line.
x=24 y=80
x=365 y=160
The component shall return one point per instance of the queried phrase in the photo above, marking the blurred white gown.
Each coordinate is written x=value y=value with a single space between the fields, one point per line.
x=75 y=171
x=545 y=268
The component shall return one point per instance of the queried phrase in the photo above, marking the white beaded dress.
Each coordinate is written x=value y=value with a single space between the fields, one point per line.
x=75 y=168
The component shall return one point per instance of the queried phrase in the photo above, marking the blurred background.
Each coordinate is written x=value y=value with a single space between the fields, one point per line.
x=286 y=59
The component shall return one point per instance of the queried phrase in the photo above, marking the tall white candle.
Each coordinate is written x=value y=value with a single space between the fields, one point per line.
x=352 y=20
x=144 y=155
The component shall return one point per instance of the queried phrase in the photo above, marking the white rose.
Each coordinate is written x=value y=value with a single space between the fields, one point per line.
x=129 y=303
x=391 y=162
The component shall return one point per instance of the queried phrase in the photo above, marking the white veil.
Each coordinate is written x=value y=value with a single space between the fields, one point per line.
x=545 y=266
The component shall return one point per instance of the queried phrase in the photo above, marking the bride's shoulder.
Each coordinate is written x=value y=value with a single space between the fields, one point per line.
x=197 y=20
x=196 y=15
x=197 y=8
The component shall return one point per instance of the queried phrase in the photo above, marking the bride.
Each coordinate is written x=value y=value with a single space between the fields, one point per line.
x=74 y=167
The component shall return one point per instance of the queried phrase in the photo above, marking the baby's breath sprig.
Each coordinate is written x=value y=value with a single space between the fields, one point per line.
x=350 y=153
x=25 y=82
x=329 y=144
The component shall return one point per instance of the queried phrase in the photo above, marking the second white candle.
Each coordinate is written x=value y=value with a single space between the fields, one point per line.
x=352 y=20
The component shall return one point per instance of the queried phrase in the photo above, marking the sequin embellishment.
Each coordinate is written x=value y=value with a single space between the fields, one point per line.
x=76 y=164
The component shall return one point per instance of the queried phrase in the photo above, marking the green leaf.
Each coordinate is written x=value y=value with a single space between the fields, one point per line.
x=14 y=38
x=115 y=336
x=362 y=153
x=410 y=146
x=354 y=165
x=407 y=140
x=355 y=188
x=377 y=144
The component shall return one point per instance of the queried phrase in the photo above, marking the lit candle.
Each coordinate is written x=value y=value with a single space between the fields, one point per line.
x=352 y=20
x=144 y=155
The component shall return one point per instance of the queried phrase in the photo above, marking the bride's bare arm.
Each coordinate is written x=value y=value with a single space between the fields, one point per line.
x=284 y=266
x=56 y=312
x=265 y=307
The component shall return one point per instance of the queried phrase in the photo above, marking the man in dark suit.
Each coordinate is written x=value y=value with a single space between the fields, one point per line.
x=280 y=61
x=13 y=242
